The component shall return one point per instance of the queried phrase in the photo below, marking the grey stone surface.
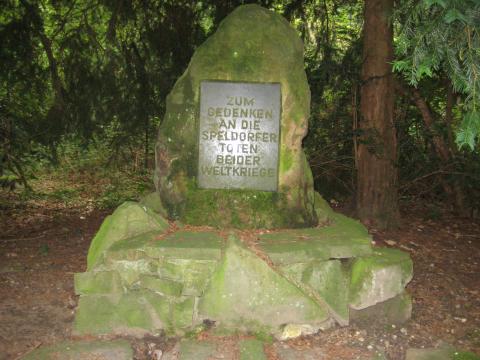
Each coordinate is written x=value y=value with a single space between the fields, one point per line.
x=251 y=45
x=444 y=352
x=430 y=354
x=84 y=350
x=285 y=352
x=246 y=294
x=196 y=350
x=251 y=349
x=379 y=277
x=396 y=310
x=239 y=135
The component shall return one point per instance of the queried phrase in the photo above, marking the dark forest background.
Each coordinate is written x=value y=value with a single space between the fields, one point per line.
x=83 y=86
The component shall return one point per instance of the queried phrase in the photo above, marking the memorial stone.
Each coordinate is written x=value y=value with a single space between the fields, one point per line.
x=229 y=154
x=229 y=150
x=239 y=135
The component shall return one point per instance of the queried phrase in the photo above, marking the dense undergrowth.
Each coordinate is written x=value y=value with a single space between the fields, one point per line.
x=81 y=177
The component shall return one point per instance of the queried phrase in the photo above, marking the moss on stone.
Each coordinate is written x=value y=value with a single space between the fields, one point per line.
x=164 y=287
x=253 y=44
x=128 y=220
x=131 y=270
x=98 y=282
x=183 y=312
x=324 y=212
x=83 y=350
x=379 y=277
x=196 y=350
x=251 y=349
x=396 y=310
x=238 y=209
x=194 y=245
x=341 y=240
x=96 y=315
x=286 y=160
x=327 y=281
x=135 y=312
x=246 y=294
x=154 y=202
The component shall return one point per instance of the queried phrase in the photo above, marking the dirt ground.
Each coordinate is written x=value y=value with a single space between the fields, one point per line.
x=42 y=244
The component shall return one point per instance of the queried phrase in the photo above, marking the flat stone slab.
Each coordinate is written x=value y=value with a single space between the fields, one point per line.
x=344 y=239
x=379 y=277
x=246 y=294
x=158 y=280
x=199 y=245
x=128 y=220
x=188 y=245
x=285 y=352
x=84 y=350
x=396 y=310
x=191 y=349
x=98 y=282
x=442 y=353
x=196 y=350
x=251 y=349
x=328 y=280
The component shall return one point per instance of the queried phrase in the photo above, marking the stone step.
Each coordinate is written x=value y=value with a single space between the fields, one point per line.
x=84 y=350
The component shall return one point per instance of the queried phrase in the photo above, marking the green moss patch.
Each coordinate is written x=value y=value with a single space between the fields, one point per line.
x=84 y=350
x=379 y=277
x=251 y=349
x=252 y=44
x=245 y=293
x=396 y=310
x=345 y=238
x=196 y=350
x=128 y=220
x=328 y=281
x=98 y=282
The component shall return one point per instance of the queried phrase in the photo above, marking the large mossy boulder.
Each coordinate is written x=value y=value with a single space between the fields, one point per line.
x=252 y=44
x=145 y=279
x=379 y=277
x=128 y=220
x=246 y=294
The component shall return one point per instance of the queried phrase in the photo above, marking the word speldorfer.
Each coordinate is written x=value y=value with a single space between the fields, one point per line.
x=239 y=135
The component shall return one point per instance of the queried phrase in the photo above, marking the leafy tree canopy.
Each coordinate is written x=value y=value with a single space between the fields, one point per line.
x=439 y=37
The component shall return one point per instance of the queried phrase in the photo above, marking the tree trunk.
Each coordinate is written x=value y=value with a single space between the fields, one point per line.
x=444 y=149
x=377 y=199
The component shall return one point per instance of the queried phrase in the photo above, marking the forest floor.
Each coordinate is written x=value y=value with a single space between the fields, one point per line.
x=44 y=241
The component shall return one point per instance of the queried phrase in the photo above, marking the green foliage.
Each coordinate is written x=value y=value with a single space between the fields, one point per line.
x=84 y=119
x=122 y=189
x=469 y=129
x=442 y=38
x=44 y=249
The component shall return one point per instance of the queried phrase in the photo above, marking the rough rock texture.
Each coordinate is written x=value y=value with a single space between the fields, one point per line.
x=251 y=45
x=379 y=277
x=328 y=280
x=128 y=220
x=285 y=352
x=442 y=353
x=246 y=294
x=344 y=238
x=251 y=349
x=196 y=350
x=396 y=310
x=84 y=350
x=147 y=283
x=292 y=283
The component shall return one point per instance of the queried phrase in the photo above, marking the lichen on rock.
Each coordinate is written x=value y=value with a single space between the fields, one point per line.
x=252 y=44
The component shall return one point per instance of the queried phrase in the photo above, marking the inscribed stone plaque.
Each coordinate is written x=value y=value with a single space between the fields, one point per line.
x=239 y=135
